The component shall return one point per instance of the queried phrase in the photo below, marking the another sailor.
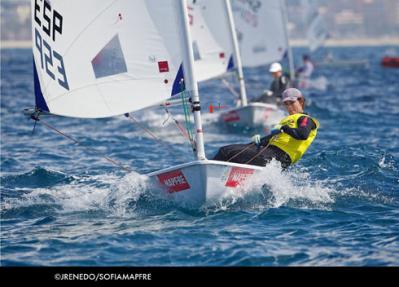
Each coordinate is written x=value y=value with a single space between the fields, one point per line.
x=279 y=84
x=304 y=73
x=287 y=142
x=306 y=70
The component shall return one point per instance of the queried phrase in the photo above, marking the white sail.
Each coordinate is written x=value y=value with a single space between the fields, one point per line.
x=100 y=58
x=317 y=31
x=261 y=31
x=213 y=52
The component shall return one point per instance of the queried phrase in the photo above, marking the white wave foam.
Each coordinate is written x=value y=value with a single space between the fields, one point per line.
x=294 y=185
x=383 y=164
x=108 y=193
x=273 y=188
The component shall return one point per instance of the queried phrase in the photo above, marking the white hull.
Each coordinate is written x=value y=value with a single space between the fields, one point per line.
x=253 y=115
x=320 y=83
x=349 y=63
x=203 y=182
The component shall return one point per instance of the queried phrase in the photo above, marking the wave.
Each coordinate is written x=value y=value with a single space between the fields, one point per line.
x=52 y=192
x=109 y=194
x=274 y=188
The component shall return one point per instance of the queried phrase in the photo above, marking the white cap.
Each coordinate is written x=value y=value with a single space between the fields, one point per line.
x=275 y=67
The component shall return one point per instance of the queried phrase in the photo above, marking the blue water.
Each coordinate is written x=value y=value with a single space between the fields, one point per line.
x=62 y=205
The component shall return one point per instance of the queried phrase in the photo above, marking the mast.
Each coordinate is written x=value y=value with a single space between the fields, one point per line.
x=191 y=84
x=236 y=53
x=290 y=55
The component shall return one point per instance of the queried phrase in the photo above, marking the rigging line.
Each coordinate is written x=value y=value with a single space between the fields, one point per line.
x=240 y=152
x=262 y=150
x=187 y=120
x=230 y=88
x=178 y=125
x=133 y=119
x=182 y=131
x=186 y=111
x=36 y=118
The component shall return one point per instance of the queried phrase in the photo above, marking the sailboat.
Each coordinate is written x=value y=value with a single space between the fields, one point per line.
x=390 y=59
x=106 y=58
x=259 y=37
x=330 y=62
x=317 y=34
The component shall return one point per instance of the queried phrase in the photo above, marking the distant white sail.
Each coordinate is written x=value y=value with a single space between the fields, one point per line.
x=100 y=58
x=211 y=38
x=261 y=31
x=317 y=31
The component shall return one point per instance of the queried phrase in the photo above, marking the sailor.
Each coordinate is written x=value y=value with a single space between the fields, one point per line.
x=279 y=84
x=287 y=142
x=306 y=70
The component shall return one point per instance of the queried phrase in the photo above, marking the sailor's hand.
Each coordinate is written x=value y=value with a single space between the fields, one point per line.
x=267 y=93
x=256 y=139
x=276 y=130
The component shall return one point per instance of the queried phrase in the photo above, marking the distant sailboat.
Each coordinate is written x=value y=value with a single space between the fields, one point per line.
x=390 y=59
x=104 y=58
x=261 y=38
x=317 y=34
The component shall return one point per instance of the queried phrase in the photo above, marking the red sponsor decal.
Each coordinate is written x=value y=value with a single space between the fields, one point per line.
x=232 y=116
x=174 y=181
x=163 y=66
x=221 y=55
x=238 y=176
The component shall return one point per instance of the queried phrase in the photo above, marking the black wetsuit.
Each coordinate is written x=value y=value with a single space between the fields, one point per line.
x=277 y=87
x=263 y=154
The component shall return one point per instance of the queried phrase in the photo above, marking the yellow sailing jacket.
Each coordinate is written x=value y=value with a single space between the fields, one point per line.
x=293 y=147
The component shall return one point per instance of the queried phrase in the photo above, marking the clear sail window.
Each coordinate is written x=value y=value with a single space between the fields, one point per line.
x=110 y=60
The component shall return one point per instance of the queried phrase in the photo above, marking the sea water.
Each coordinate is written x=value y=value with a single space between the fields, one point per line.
x=62 y=204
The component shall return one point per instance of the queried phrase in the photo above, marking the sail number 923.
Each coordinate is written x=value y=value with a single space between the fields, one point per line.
x=50 y=21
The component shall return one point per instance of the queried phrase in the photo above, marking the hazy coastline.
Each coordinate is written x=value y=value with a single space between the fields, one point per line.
x=293 y=42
